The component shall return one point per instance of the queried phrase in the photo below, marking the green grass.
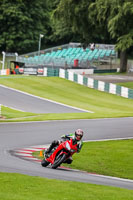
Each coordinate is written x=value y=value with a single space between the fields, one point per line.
x=10 y=113
x=127 y=84
x=14 y=186
x=23 y=187
x=111 y=158
x=111 y=73
x=102 y=104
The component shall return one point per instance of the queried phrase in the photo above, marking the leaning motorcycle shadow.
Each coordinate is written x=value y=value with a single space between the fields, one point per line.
x=62 y=168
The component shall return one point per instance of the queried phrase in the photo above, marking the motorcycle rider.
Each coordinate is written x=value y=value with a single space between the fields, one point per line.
x=77 y=139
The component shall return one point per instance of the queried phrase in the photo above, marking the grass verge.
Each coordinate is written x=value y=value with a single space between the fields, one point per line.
x=113 y=73
x=127 y=84
x=103 y=105
x=24 y=187
x=11 y=115
x=111 y=158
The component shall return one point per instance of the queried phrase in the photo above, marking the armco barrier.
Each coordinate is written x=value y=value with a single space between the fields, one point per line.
x=99 y=85
x=105 y=70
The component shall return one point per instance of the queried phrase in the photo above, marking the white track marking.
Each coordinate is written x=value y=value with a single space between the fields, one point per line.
x=25 y=155
x=13 y=108
x=111 y=177
x=46 y=99
x=102 y=140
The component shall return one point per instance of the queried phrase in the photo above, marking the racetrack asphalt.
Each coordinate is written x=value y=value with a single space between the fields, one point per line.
x=30 y=103
x=111 y=78
x=22 y=135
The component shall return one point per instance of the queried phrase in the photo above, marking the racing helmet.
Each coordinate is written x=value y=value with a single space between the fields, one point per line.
x=78 y=134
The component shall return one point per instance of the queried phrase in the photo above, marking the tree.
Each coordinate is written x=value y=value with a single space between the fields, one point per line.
x=100 y=21
x=72 y=16
x=21 y=22
x=118 y=15
x=60 y=32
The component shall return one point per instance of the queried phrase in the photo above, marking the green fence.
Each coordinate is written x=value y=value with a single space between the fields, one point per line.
x=52 y=72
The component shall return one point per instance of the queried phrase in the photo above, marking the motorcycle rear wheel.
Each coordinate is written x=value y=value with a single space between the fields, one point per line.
x=59 y=161
x=44 y=163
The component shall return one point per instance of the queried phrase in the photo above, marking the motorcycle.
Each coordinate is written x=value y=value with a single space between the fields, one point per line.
x=60 y=154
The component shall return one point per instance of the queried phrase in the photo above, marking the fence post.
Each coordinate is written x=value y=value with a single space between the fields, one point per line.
x=3 y=63
x=0 y=111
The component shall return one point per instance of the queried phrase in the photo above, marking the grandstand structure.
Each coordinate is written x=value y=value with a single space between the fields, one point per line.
x=70 y=55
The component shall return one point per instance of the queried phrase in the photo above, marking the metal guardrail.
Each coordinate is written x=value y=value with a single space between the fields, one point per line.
x=35 y=53
x=71 y=44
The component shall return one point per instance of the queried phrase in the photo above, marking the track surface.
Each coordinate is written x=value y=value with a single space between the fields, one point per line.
x=21 y=135
x=28 y=103
x=111 y=78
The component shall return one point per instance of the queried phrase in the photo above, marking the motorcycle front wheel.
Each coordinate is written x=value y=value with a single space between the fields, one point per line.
x=58 y=161
x=44 y=163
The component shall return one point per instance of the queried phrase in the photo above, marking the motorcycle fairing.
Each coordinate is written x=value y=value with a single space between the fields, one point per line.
x=61 y=149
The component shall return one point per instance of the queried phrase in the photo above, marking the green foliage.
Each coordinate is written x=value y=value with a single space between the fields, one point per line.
x=81 y=18
x=117 y=16
x=73 y=16
x=62 y=21
x=125 y=41
x=21 y=22
x=120 y=25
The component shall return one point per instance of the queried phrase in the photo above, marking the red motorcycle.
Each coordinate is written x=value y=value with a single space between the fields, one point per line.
x=60 y=155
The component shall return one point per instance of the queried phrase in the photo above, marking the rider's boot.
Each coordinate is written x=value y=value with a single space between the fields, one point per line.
x=47 y=152
x=53 y=144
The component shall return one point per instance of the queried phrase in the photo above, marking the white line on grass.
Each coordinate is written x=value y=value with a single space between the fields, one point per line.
x=111 y=177
x=13 y=108
x=102 y=140
x=46 y=99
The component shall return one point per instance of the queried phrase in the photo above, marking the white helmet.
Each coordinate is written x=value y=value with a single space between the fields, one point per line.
x=78 y=134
